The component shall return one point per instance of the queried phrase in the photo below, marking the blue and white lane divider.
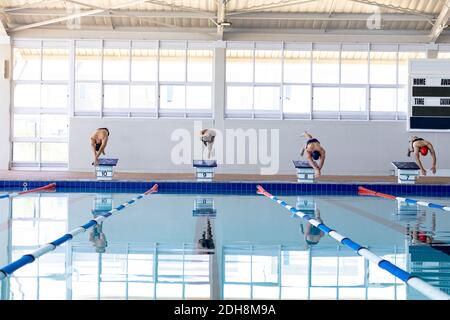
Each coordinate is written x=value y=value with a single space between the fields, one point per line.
x=415 y=282
x=31 y=257
x=367 y=192
x=48 y=187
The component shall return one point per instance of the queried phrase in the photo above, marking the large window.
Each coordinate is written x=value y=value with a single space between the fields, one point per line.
x=40 y=104
x=318 y=81
x=143 y=79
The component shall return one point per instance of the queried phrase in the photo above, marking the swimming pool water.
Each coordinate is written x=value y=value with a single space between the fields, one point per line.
x=169 y=246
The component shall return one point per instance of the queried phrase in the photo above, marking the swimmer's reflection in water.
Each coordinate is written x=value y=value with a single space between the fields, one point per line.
x=312 y=234
x=206 y=242
x=98 y=239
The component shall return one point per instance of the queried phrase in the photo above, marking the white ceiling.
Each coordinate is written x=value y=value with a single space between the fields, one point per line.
x=280 y=18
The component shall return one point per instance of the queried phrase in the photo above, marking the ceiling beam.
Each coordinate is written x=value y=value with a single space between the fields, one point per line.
x=74 y=16
x=249 y=16
x=270 y=6
x=119 y=13
x=441 y=22
x=28 y=5
x=390 y=6
x=333 y=16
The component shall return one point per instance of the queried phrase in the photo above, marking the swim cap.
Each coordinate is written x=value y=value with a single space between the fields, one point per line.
x=424 y=151
x=316 y=155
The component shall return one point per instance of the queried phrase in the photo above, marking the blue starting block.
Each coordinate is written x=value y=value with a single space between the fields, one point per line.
x=305 y=205
x=105 y=169
x=204 y=169
x=305 y=173
x=407 y=172
x=204 y=207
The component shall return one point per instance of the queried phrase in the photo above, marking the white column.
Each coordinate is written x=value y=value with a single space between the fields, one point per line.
x=5 y=76
x=219 y=85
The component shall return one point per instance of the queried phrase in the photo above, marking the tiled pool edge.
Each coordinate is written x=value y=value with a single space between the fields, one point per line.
x=230 y=188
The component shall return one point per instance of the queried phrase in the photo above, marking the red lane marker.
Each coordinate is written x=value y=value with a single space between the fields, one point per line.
x=49 y=187
x=367 y=192
x=152 y=190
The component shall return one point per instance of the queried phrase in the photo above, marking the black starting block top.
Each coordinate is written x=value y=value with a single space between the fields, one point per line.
x=108 y=162
x=302 y=164
x=406 y=165
x=204 y=163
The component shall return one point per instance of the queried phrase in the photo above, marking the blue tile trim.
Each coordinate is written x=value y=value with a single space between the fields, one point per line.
x=231 y=188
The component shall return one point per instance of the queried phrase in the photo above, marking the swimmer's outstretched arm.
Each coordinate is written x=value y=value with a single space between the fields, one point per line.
x=306 y=134
x=419 y=162
x=93 y=148
x=102 y=147
x=433 y=157
x=312 y=162
x=322 y=158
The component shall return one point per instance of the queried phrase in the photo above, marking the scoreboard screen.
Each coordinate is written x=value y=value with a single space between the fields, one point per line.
x=429 y=101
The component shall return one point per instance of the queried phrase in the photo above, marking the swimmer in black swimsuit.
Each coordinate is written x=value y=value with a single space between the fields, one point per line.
x=314 y=152
x=99 y=140
x=420 y=147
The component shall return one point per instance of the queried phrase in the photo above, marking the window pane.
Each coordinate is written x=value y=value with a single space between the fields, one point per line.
x=172 y=97
x=325 y=67
x=87 y=96
x=172 y=65
x=27 y=95
x=45 y=96
x=54 y=96
x=116 y=64
x=239 y=98
x=326 y=99
x=88 y=64
x=296 y=99
x=297 y=66
x=239 y=66
x=54 y=126
x=354 y=67
x=383 y=99
x=144 y=64
x=353 y=99
x=198 y=97
x=402 y=100
x=267 y=98
x=55 y=64
x=200 y=65
x=268 y=66
x=116 y=96
x=444 y=55
x=54 y=152
x=27 y=64
x=142 y=96
x=26 y=126
x=383 y=67
x=24 y=151
x=403 y=61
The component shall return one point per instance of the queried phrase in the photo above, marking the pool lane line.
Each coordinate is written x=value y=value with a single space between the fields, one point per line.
x=48 y=187
x=413 y=281
x=31 y=257
x=367 y=192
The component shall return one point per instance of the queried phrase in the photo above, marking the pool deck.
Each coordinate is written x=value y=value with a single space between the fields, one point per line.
x=123 y=176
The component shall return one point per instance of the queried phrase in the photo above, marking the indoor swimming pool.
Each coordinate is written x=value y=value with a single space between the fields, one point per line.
x=186 y=246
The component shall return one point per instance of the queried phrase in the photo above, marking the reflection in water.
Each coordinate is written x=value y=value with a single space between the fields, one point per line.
x=247 y=265
x=103 y=203
x=311 y=233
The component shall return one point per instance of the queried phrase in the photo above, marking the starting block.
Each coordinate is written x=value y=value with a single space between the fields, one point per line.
x=205 y=169
x=407 y=172
x=105 y=169
x=204 y=207
x=305 y=205
x=305 y=173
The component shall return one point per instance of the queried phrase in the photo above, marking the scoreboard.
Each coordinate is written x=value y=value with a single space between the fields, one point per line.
x=429 y=95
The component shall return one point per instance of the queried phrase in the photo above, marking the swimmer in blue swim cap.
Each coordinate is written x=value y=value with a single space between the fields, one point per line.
x=314 y=153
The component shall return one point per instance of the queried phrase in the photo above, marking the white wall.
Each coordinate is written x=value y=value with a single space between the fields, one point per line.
x=5 y=54
x=353 y=147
